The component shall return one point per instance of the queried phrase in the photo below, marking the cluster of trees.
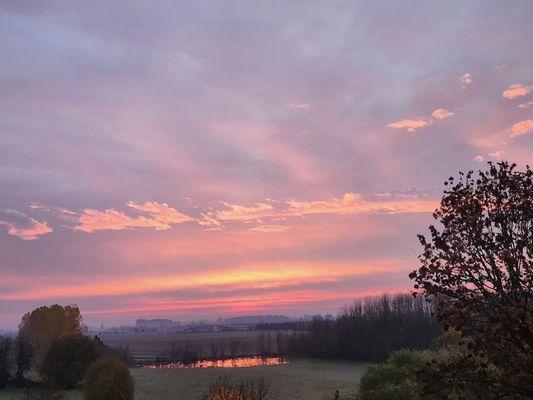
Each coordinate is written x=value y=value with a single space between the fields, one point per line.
x=15 y=358
x=52 y=340
x=369 y=330
x=478 y=263
x=300 y=325
x=266 y=344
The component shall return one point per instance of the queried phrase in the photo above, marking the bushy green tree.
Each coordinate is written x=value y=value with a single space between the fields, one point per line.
x=108 y=379
x=43 y=325
x=456 y=374
x=67 y=360
x=396 y=379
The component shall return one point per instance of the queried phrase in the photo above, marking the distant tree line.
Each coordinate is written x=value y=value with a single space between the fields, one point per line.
x=369 y=330
x=300 y=325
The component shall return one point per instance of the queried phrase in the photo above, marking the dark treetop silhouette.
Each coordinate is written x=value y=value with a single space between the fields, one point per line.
x=478 y=262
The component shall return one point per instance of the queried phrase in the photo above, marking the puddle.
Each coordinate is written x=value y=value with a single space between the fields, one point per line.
x=239 y=362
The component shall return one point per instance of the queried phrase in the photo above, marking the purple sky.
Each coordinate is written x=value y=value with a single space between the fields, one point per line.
x=190 y=159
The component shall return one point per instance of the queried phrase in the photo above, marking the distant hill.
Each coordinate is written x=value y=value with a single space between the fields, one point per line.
x=155 y=322
x=255 y=319
x=160 y=325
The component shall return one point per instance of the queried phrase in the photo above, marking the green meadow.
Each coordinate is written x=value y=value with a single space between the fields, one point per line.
x=299 y=379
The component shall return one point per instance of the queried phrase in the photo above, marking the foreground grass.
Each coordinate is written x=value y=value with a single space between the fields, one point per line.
x=300 y=379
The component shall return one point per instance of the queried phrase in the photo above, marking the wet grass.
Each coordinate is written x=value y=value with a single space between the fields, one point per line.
x=297 y=380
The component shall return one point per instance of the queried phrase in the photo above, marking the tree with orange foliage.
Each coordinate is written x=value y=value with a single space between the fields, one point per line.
x=479 y=263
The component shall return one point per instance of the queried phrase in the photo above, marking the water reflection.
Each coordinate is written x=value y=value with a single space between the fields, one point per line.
x=239 y=362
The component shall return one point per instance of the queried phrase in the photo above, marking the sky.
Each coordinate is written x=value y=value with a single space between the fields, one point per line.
x=185 y=159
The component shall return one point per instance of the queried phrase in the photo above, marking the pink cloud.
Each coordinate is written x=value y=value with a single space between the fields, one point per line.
x=517 y=90
x=22 y=226
x=479 y=158
x=160 y=212
x=442 y=113
x=497 y=153
x=37 y=206
x=243 y=213
x=159 y=217
x=523 y=106
x=349 y=203
x=522 y=128
x=465 y=79
x=353 y=203
x=298 y=106
x=411 y=125
x=270 y=228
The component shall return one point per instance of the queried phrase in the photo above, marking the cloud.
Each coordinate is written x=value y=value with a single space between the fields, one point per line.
x=270 y=228
x=442 y=113
x=411 y=125
x=465 y=79
x=298 y=106
x=349 y=203
x=256 y=276
x=353 y=203
x=517 y=90
x=159 y=217
x=23 y=226
x=523 y=106
x=37 y=206
x=522 y=128
x=479 y=158
x=243 y=213
x=497 y=153
x=160 y=212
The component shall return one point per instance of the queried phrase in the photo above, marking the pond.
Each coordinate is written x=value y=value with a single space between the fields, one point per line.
x=239 y=362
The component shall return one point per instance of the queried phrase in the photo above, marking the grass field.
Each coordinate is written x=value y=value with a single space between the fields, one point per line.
x=298 y=380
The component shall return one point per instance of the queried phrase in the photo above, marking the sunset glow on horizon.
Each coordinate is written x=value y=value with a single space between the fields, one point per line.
x=192 y=161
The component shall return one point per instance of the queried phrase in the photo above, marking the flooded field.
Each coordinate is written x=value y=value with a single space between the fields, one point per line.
x=239 y=362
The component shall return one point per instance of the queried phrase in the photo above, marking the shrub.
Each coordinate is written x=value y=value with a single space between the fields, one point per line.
x=108 y=379
x=395 y=379
x=224 y=389
x=456 y=374
x=67 y=360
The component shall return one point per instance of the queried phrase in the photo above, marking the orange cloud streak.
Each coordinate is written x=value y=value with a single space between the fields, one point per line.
x=522 y=128
x=244 y=304
x=349 y=203
x=246 y=277
x=159 y=217
x=517 y=90
x=411 y=125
